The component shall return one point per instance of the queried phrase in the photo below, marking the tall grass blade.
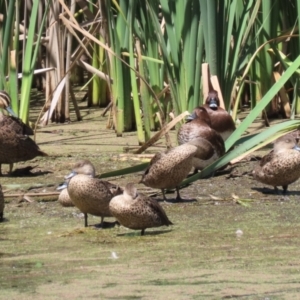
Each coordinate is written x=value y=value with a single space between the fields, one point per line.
x=263 y=103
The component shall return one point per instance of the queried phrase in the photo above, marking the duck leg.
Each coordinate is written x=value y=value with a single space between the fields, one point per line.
x=85 y=220
x=101 y=224
x=285 y=187
x=178 y=198
x=102 y=221
x=284 y=193
x=276 y=190
x=164 y=195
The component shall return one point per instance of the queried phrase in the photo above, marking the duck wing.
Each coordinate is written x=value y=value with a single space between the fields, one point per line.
x=15 y=124
x=205 y=150
x=17 y=147
x=156 y=208
x=153 y=161
x=267 y=158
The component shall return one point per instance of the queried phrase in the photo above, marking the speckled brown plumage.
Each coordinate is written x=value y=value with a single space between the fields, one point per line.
x=64 y=198
x=168 y=169
x=15 y=144
x=90 y=195
x=281 y=166
x=1 y=204
x=210 y=145
x=137 y=211
x=221 y=121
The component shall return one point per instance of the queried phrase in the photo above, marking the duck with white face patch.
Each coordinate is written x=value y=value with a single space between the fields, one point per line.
x=197 y=131
x=221 y=120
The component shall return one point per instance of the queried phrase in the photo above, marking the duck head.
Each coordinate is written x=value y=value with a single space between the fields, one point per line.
x=201 y=114
x=281 y=145
x=5 y=103
x=212 y=100
x=82 y=167
x=130 y=191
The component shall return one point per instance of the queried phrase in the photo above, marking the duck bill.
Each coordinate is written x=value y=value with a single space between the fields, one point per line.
x=213 y=103
x=297 y=148
x=9 y=109
x=72 y=174
x=190 y=117
x=62 y=186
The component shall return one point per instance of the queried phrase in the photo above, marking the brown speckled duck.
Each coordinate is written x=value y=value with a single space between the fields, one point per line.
x=167 y=169
x=197 y=131
x=221 y=121
x=15 y=144
x=1 y=204
x=281 y=166
x=137 y=211
x=91 y=195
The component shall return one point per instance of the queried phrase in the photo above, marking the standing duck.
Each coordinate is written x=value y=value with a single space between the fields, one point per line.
x=91 y=195
x=281 y=166
x=167 y=169
x=137 y=211
x=197 y=131
x=221 y=121
x=15 y=144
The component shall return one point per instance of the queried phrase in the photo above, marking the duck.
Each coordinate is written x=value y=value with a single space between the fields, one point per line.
x=221 y=120
x=197 y=131
x=16 y=145
x=137 y=211
x=89 y=194
x=1 y=204
x=281 y=166
x=167 y=169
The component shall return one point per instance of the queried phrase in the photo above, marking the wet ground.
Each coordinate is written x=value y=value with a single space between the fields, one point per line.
x=230 y=239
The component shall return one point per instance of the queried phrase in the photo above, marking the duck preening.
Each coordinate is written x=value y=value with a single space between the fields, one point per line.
x=137 y=211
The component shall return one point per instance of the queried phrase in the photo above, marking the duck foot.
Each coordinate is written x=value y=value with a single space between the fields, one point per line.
x=172 y=201
x=284 y=196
